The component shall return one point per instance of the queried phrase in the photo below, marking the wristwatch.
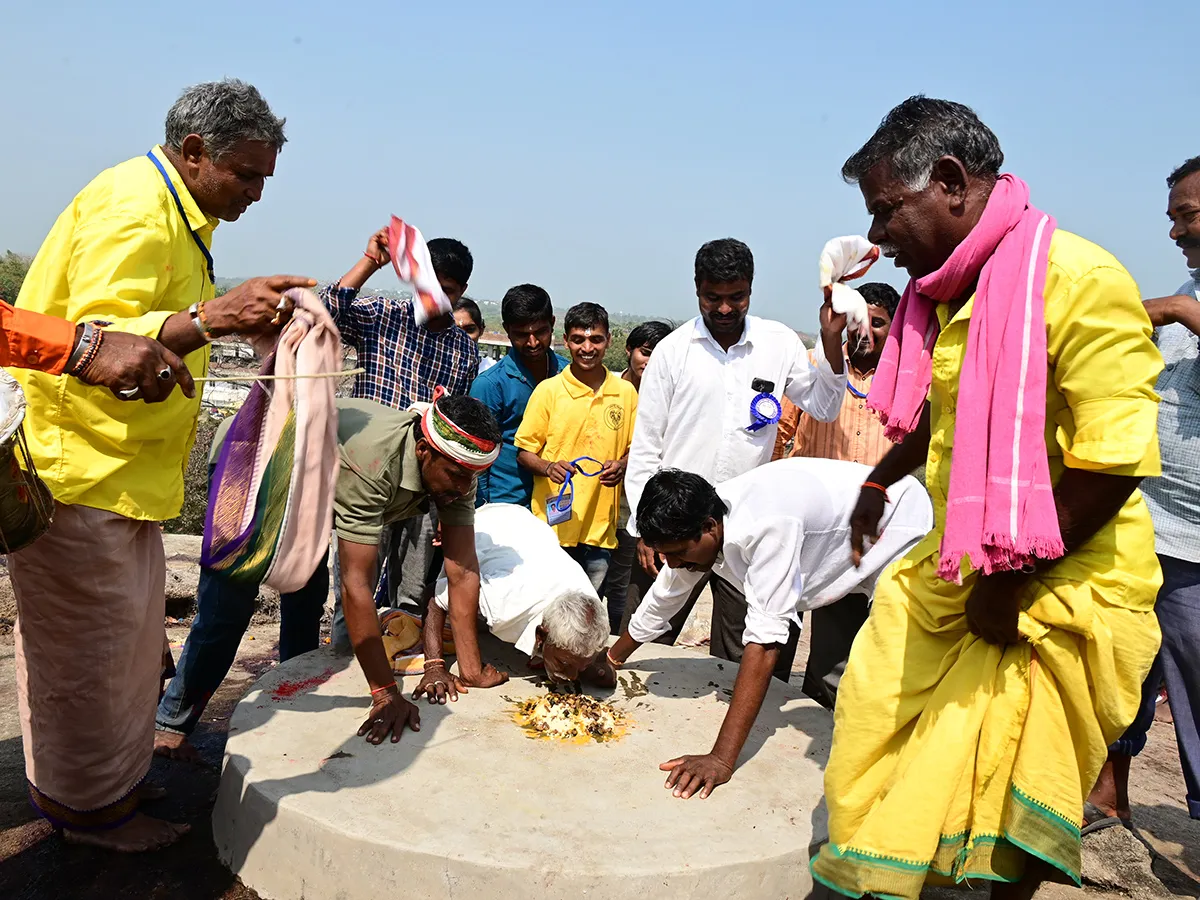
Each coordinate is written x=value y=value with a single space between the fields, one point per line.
x=198 y=321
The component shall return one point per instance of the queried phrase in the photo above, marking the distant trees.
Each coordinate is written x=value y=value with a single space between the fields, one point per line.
x=13 y=267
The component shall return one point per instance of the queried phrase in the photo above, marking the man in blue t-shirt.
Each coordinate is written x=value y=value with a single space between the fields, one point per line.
x=528 y=318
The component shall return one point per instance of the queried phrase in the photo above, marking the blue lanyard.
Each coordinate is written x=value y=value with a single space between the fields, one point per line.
x=578 y=471
x=179 y=205
x=861 y=395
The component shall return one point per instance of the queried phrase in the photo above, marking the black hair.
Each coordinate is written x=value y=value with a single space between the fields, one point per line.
x=472 y=309
x=1191 y=167
x=675 y=505
x=919 y=132
x=586 y=315
x=647 y=334
x=451 y=259
x=526 y=304
x=471 y=416
x=876 y=293
x=723 y=261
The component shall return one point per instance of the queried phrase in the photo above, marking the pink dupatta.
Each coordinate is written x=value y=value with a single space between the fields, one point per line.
x=1000 y=512
x=270 y=508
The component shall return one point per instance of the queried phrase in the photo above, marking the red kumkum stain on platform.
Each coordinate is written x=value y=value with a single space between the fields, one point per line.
x=285 y=690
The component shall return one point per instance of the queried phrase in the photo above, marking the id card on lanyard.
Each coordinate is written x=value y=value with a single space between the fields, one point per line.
x=558 y=510
x=208 y=258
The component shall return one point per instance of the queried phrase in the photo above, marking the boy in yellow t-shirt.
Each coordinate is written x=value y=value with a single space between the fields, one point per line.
x=577 y=428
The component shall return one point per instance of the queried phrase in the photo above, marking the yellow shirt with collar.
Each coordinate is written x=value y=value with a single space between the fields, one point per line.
x=566 y=419
x=120 y=253
x=1101 y=416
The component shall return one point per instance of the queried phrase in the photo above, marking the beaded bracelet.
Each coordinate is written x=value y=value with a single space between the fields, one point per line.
x=89 y=355
x=86 y=339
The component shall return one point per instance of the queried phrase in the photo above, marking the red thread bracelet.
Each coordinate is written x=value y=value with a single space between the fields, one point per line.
x=878 y=487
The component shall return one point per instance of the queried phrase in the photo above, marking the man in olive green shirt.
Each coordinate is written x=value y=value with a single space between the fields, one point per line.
x=393 y=465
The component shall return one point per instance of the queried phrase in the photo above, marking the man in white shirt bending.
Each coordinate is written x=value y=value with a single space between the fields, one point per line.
x=781 y=535
x=701 y=406
x=532 y=595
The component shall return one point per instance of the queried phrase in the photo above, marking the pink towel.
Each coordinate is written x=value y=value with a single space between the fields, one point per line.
x=1000 y=514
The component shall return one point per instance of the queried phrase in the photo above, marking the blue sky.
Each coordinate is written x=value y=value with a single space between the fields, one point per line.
x=592 y=148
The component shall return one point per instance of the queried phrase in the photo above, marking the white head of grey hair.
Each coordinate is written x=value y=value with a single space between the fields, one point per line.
x=224 y=113
x=576 y=623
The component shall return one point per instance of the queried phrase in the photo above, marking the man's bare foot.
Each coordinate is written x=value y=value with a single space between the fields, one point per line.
x=139 y=834
x=1110 y=796
x=174 y=745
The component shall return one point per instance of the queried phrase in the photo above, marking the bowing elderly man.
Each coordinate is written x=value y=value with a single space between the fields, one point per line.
x=1006 y=651
x=532 y=595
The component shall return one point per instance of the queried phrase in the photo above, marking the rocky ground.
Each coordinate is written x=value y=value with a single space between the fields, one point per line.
x=1160 y=860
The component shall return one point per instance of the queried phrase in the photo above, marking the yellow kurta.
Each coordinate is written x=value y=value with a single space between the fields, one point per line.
x=120 y=253
x=953 y=758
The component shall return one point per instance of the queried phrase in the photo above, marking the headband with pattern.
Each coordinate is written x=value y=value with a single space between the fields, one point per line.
x=448 y=439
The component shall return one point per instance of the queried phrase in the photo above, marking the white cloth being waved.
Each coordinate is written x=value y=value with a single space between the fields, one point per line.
x=787 y=545
x=694 y=402
x=522 y=570
x=844 y=259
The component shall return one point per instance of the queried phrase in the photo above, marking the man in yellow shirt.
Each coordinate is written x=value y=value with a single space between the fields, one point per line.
x=975 y=712
x=131 y=252
x=575 y=439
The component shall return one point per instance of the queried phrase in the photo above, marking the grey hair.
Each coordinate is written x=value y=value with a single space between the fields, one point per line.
x=224 y=113
x=576 y=622
x=919 y=132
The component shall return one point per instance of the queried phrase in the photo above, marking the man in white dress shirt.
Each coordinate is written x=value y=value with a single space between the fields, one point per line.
x=781 y=535
x=532 y=595
x=695 y=407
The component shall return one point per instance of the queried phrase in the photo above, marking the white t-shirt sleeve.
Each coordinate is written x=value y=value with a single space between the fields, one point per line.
x=649 y=431
x=815 y=388
x=665 y=598
x=774 y=583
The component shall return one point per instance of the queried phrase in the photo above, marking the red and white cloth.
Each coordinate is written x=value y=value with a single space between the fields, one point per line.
x=410 y=258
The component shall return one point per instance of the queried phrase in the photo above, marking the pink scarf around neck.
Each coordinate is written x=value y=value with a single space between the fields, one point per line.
x=1000 y=513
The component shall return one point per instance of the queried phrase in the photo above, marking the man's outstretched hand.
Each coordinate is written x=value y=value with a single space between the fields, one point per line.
x=692 y=774
x=439 y=685
x=390 y=714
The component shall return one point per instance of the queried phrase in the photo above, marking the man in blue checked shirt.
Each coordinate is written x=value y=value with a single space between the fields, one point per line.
x=404 y=361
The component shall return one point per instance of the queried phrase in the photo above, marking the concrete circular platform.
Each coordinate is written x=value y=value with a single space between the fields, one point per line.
x=473 y=807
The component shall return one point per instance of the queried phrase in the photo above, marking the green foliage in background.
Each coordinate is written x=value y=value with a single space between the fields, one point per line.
x=615 y=359
x=13 y=267
x=195 y=481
